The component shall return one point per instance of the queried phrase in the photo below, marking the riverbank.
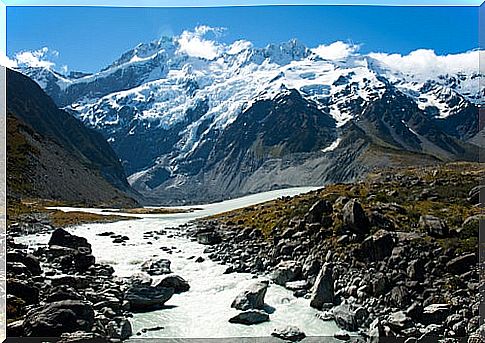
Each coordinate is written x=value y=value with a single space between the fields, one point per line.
x=394 y=256
x=211 y=292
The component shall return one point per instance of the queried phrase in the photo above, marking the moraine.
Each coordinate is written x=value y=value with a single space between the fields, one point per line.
x=205 y=309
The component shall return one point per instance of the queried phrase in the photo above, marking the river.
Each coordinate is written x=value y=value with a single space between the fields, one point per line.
x=204 y=310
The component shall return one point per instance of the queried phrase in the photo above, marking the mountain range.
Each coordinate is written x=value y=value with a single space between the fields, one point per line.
x=192 y=127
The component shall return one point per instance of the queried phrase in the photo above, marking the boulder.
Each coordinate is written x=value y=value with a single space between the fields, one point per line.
x=434 y=226
x=23 y=290
x=399 y=321
x=316 y=212
x=250 y=317
x=462 y=264
x=355 y=218
x=14 y=306
x=61 y=237
x=62 y=292
x=15 y=329
x=156 y=266
x=289 y=333
x=376 y=247
x=341 y=335
x=252 y=297
x=209 y=238
x=59 y=317
x=471 y=226
x=323 y=291
x=145 y=298
x=349 y=319
x=142 y=279
x=286 y=271
x=174 y=281
x=416 y=270
x=28 y=260
x=435 y=313
x=474 y=194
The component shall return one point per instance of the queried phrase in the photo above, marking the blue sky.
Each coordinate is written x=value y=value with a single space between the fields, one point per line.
x=89 y=38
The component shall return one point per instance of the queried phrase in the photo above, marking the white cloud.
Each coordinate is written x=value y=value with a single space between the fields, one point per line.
x=7 y=62
x=425 y=62
x=194 y=44
x=36 y=58
x=336 y=51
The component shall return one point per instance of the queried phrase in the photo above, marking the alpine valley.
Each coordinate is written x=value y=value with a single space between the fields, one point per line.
x=238 y=119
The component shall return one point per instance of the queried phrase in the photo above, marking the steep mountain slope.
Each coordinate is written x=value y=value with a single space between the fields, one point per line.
x=246 y=119
x=51 y=155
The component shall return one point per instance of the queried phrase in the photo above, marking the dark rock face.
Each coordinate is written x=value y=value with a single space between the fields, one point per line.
x=377 y=246
x=355 y=218
x=145 y=298
x=72 y=162
x=289 y=333
x=323 y=291
x=59 y=317
x=434 y=226
x=250 y=317
x=174 y=281
x=252 y=297
x=318 y=209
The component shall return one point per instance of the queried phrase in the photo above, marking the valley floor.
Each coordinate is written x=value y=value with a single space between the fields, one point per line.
x=393 y=256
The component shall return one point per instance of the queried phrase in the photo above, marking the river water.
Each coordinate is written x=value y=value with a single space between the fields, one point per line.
x=203 y=311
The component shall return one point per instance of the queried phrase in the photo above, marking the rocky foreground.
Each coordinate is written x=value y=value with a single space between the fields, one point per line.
x=60 y=293
x=394 y=257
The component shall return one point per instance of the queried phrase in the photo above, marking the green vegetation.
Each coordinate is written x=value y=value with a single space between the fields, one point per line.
x=401 y=194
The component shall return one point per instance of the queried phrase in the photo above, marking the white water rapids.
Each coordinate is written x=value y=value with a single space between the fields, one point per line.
x=203 y=311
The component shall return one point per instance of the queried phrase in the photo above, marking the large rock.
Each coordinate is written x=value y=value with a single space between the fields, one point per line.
x=349 y=319
x=461 y=264
x=61 y=293
x=63 y=238
x=209 y=238
x=174 y=281
x=355 y=218
x=146 y=298
x=286 y=271
x=316 y=212
x=250 y=317
x=59 y=317
x=23 y=290
x=252 y=297
x=323 y=291
x=289 y=333
x=399 y=321
x=376 y=247
x=156 y=266
x=28 y=260
x=474 y=194
x=435 y=313
x=434 y=226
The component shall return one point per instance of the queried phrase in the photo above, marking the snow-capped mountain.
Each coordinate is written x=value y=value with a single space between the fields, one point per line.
x=227 y=119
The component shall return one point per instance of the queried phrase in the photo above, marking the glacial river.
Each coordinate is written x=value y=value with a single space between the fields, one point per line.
x=204 y=310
